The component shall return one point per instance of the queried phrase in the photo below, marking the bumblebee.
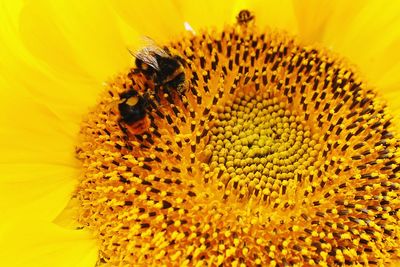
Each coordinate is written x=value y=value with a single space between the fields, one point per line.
x=244 y=17
x=133 y=115
x=161 y=66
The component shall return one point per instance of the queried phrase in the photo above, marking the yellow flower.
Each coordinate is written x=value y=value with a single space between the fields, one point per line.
x=55 y=58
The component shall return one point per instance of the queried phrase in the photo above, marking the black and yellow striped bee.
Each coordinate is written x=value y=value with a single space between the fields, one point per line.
x=133 y=113
x=161 y=66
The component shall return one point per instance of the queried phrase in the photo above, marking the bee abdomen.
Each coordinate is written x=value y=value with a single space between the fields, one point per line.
x=132 y=113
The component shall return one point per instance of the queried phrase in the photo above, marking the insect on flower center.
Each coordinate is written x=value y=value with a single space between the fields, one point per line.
x=239 y=148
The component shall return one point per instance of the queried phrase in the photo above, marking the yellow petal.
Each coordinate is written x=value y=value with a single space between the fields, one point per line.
x=202 y=14
x=390 y=80
x=37 y=160
x=159 y=20
x=366 y=32
x=37 y=130
x=35 y=190
x=55 y=56
x=276 y=14
x=312 y=18
x=38 y=243
x=59 y=82
x=319 y=20
x=369 y=36
x=84 y=32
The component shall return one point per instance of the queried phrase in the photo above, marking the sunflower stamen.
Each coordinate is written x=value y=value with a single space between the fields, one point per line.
x=275 y=154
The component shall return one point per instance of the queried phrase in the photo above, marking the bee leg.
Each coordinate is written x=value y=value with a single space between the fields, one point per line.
x=181 y=88
x=169 y=97
x=126 y=134
x=132 y=73
x=122 y=127
x=149 y=103
x=180 y=60
x=178 y=83
x=172 y=93
x=146 y=98
x=157 y=93
x=166 y=89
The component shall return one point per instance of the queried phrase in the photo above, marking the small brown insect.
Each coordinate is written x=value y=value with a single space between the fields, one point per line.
x=244 y=17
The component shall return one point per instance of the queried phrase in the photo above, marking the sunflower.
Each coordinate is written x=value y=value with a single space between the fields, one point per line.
x=278 y=147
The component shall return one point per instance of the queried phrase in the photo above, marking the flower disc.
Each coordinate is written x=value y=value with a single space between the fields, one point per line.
x=276 y=153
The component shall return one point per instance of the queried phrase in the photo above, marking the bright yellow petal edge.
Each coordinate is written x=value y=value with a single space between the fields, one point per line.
x=366 y=32
x=53 y=88
x=40 y=243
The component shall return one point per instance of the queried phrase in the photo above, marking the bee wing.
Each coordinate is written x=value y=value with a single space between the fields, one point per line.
x=153 y=47
x=147 y=57
x=147 y=52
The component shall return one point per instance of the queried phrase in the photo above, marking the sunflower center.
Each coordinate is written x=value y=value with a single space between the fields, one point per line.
x=258 y=146
x=248 y=150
